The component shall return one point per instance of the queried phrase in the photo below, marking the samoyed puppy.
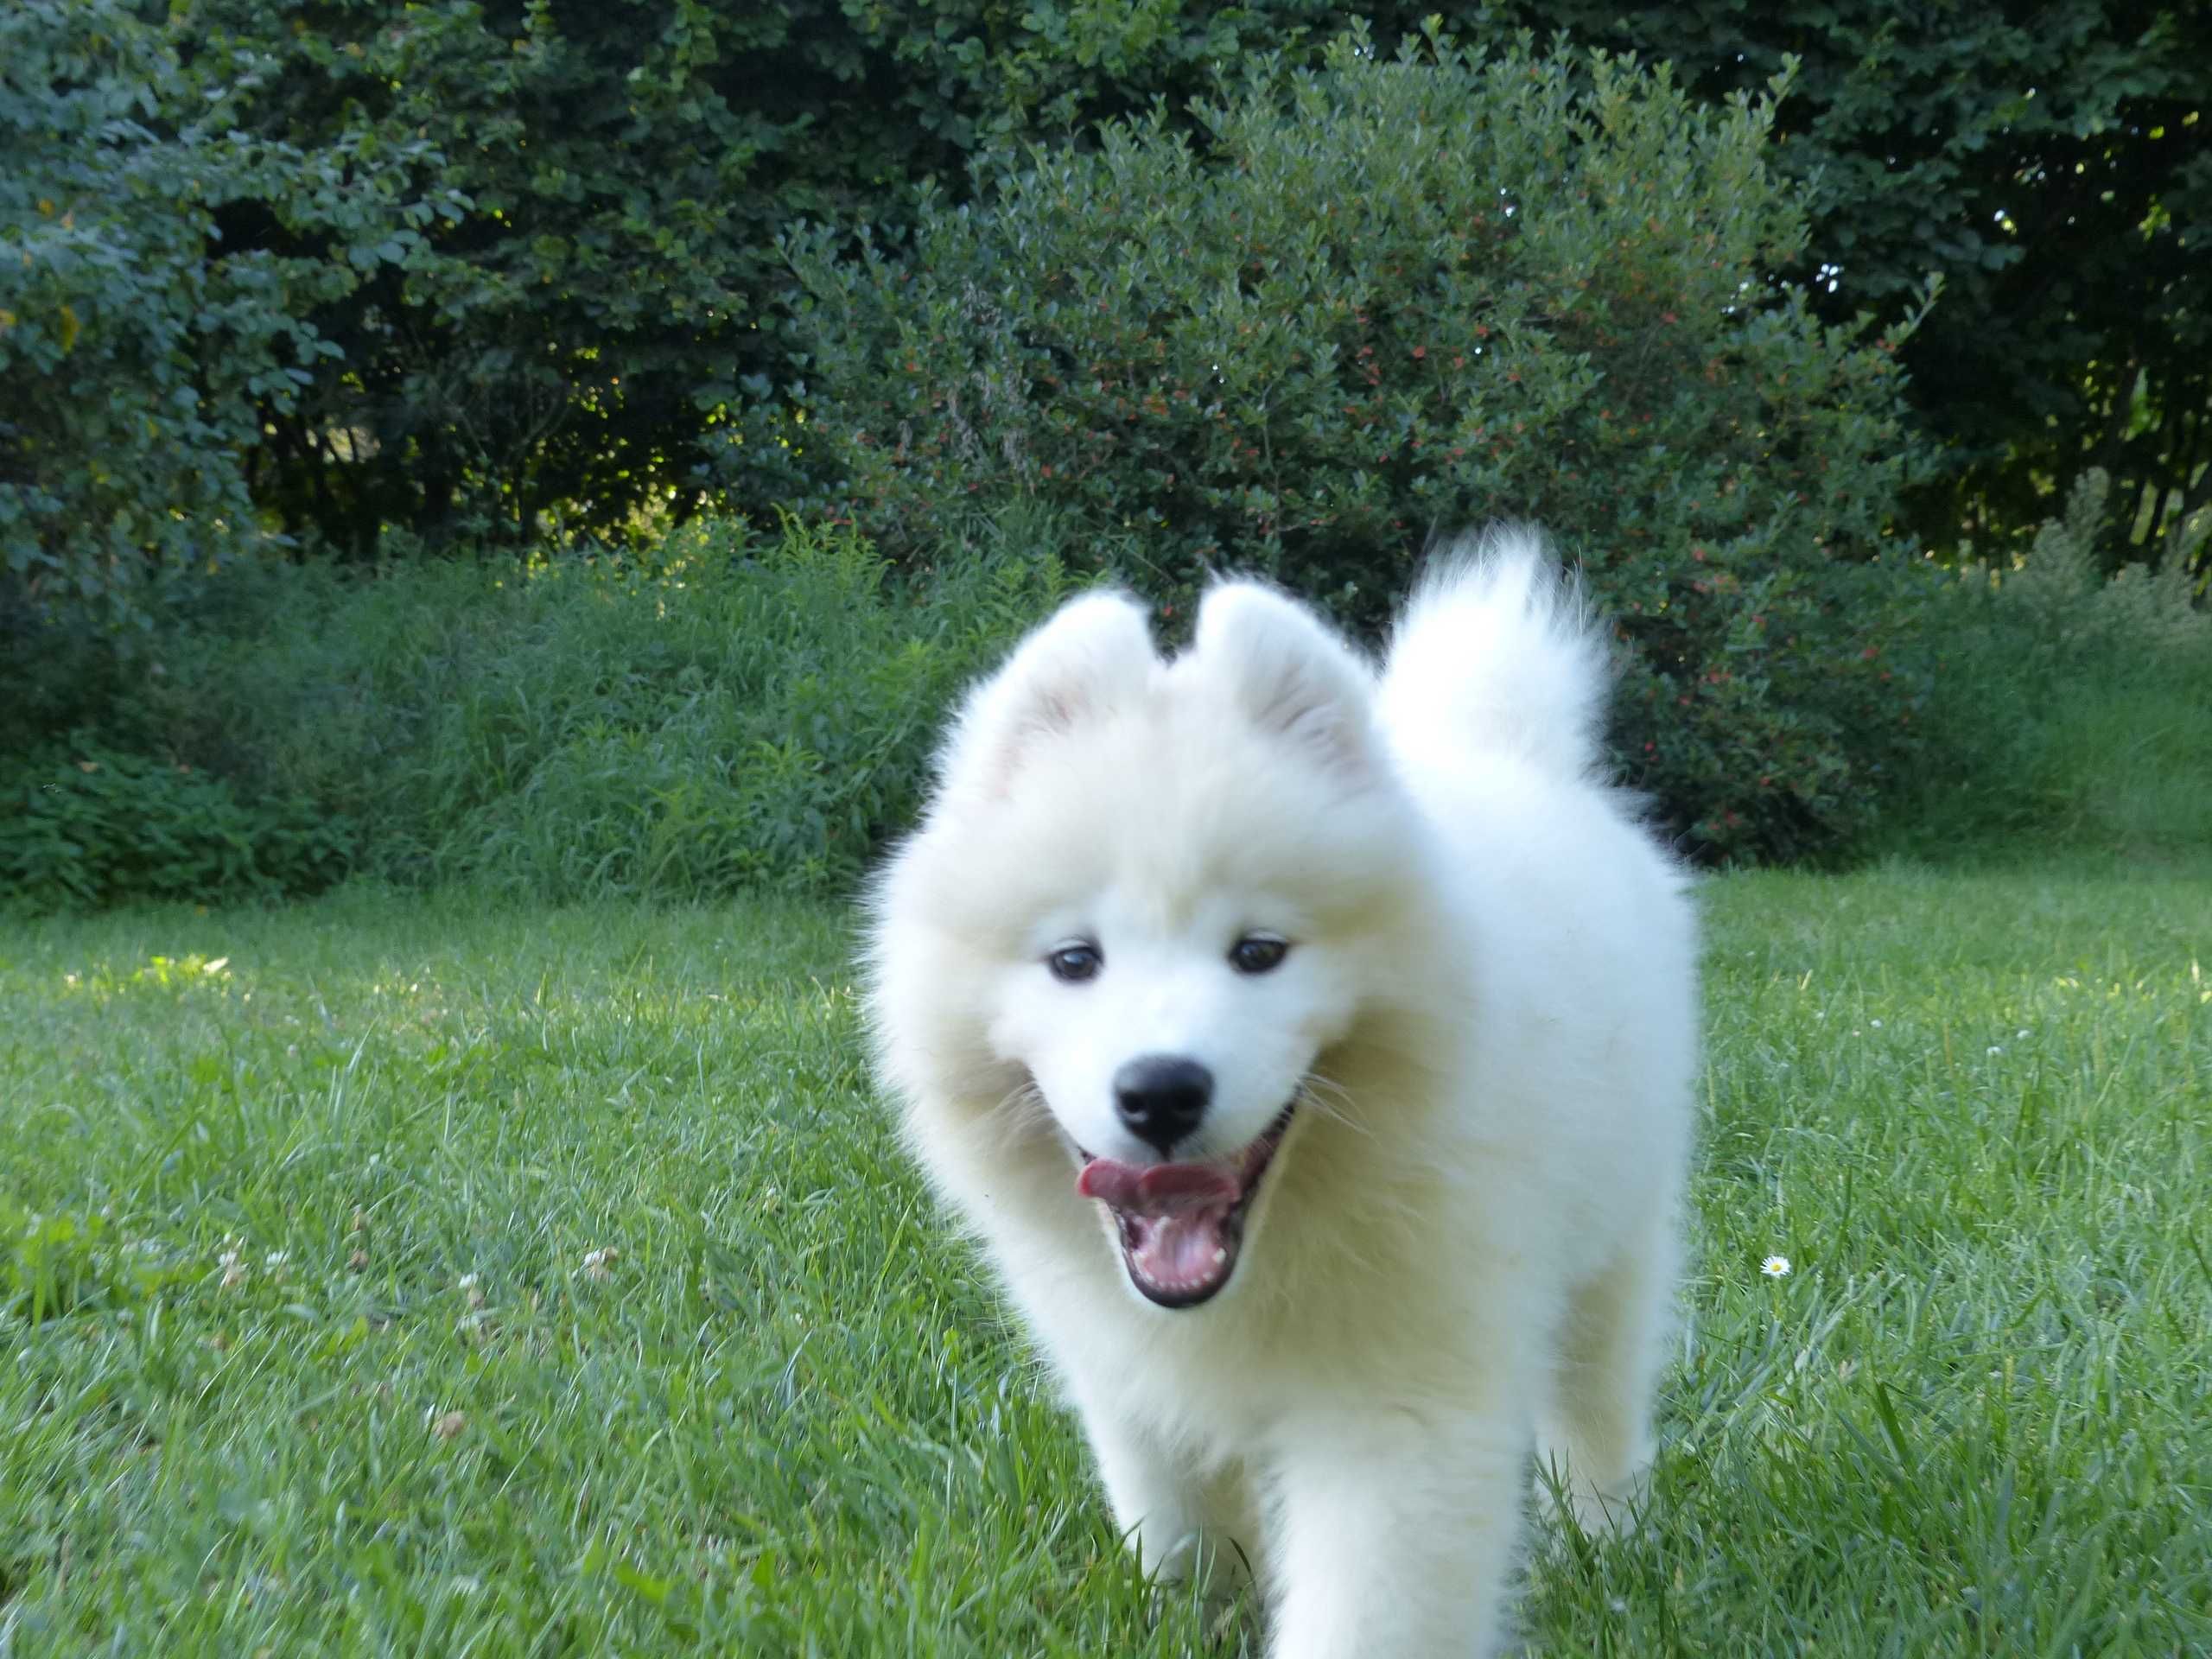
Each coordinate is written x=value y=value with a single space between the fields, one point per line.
x=1310 y=1046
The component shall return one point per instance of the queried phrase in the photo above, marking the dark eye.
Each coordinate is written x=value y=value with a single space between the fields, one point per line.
x=1073 y=963
x=1257 y=953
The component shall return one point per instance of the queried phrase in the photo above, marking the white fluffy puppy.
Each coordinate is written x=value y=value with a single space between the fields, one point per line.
x=1311 y=1050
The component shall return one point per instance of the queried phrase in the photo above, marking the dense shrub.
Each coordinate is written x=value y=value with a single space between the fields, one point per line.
x=1386 y=297
x=2073 y=709
x=141 y=353
x=2053 y=163
x=550 y=355
x=93 y=825
x=741 y=711
x=118 y=468
x=540 y=237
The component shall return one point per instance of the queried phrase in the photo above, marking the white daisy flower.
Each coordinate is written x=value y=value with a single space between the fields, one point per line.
x=1776 y=1267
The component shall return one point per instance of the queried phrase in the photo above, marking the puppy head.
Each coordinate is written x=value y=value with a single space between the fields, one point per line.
x=1159 y=892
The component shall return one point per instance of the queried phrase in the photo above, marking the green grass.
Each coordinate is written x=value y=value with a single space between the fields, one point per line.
x=785 y=1416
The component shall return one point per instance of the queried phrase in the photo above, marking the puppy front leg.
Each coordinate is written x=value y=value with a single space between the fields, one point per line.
x=1184 y=1526
x=1394 y=1536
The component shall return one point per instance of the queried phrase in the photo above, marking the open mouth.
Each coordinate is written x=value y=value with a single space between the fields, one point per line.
x=1180 y=1225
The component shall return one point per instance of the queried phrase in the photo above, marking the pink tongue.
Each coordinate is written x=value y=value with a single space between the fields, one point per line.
x=1157 y=1189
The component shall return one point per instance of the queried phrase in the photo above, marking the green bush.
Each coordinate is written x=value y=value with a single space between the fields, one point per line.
x=475 y=268
x=2072 y=710
x=547 y=349
x=142 y=352
x=738 y=712
x=93 y=825
x=1388 y=297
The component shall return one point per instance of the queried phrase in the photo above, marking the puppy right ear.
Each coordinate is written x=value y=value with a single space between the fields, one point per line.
x=1092 y=657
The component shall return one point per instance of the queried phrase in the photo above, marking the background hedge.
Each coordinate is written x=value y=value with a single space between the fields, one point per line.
x=449 y=271
x=1388 y=297
x=387 y=391
x=745 y=711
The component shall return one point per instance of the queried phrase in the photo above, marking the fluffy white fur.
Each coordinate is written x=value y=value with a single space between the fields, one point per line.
x=1465 y=1248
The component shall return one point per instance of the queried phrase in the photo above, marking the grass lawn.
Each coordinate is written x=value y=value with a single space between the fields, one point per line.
x=428 y=1276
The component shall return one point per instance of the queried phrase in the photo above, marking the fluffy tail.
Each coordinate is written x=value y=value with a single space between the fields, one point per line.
x=1495 y=653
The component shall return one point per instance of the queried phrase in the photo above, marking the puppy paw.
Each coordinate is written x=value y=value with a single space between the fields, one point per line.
x=1599 y=1509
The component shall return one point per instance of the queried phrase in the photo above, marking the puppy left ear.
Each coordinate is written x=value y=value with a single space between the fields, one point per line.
x=1290 y=673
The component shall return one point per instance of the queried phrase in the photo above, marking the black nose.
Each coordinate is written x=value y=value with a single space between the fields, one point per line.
x=1162 y=1097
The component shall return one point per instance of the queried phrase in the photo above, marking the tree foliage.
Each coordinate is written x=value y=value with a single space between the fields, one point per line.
x=553 y=354
x=478 y=270
x=138 y=345
x=1388 y=297
x=2053 y=162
